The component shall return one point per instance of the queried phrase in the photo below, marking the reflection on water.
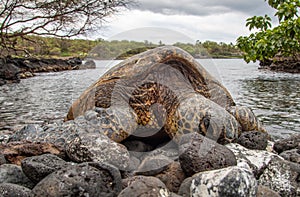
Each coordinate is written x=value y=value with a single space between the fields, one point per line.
x=276 y=101
x=274 y=97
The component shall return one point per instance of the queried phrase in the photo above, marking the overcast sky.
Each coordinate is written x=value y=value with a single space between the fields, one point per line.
x=184 y=20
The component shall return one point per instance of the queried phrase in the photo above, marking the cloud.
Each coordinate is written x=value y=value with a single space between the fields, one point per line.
x=179 y=21
x=145 y=25
x=203 y=7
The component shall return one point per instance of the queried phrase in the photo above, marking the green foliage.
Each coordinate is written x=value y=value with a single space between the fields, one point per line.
x=259 y=22
x=282 y=40
x=38 y=46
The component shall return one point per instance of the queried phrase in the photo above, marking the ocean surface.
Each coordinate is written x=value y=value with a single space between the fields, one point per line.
x=274 y=97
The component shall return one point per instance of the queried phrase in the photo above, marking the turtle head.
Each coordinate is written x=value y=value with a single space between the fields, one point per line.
x=199 y=114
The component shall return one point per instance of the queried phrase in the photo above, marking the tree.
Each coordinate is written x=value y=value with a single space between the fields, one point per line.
x=266 y=43
x=57 y=18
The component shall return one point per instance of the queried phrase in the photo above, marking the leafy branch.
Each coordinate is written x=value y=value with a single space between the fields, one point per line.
x=283 y=39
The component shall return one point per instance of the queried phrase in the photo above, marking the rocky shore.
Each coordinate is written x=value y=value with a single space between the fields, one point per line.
x=73 y=159
x=12 y=70
x=282 y=65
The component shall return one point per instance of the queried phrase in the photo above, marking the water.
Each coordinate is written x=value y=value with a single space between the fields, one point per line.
x=274 y=97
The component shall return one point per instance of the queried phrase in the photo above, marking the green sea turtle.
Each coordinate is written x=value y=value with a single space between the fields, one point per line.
x=163 y=90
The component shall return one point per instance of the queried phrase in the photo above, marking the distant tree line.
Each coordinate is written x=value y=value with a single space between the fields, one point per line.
x=38 y=46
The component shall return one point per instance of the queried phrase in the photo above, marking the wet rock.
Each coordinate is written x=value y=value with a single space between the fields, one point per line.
x=9 y=72
x=98 y=148
x=153 y=165
x=11 y=67
x=15 y=152
x=172 y=177
x=10 y=173
x=256 y=159
x=198 y=153
x=263 y=191
x=86 y=179
x=13 y=190
x=144 y=186
x=282 y=176
x=253 y=140
x=287 y=144
x=38 y=167
x=89 y=64
x=230 y=181
x=291 y=155
x=74 y=61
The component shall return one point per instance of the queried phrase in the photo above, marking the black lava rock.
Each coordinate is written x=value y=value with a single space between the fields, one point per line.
x=86 y=179
x=254 y=140
x=10 y=173
x=13 y=190
x=172 y=177
x=291 y=155
x=198 y=153
x=38 y=167
x=263 y=191
x=9 y=72
x=144 y=186
x=287 y=144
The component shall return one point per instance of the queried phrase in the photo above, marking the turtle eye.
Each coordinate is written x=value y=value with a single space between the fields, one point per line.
x=206 y=122
x=204 y=125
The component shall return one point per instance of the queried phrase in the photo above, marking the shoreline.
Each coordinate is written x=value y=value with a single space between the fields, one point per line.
x=12 y=70
x=281 y=65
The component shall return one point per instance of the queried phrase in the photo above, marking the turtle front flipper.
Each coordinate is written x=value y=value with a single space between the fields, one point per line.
x=246 y=118
x=199 y=114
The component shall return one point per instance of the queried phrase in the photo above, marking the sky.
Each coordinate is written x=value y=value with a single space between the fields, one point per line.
x=173 y=21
